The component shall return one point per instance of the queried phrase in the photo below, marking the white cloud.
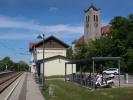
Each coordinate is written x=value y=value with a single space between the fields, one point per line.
x=53 y=9
x=16 y=36
x=6 y=22
x=33 y=28
x=60 y=30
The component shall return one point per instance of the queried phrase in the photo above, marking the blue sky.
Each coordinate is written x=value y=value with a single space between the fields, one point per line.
x=22 y=20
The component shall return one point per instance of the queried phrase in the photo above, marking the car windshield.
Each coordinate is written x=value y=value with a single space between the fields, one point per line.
x=111 y=69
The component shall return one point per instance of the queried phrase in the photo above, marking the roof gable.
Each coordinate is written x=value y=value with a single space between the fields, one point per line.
x=31 y=45
x=52 y=42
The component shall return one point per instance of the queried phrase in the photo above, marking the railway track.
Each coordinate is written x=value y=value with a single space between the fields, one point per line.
x=7 y=80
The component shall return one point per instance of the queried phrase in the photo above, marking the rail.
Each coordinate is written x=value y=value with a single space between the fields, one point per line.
x=6 y=81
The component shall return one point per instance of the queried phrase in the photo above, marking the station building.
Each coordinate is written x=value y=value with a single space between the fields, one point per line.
x=54 y=57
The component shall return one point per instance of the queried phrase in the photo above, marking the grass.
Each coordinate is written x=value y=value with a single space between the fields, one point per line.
x=69 y=91
x=55 y=76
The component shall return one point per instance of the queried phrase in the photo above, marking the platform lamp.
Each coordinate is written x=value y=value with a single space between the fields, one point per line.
x=42 y=36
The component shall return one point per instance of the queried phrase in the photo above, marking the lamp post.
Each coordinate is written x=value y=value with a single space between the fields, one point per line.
x=42 y=36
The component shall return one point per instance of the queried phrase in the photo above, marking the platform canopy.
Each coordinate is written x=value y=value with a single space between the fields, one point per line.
x=96 y=59
x=93 y=60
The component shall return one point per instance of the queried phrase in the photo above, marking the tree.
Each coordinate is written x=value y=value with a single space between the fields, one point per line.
x=20 y=66
x=117 y=42
x=7 y=62
x=69 y=53
x=23 y=66
x=81 y=50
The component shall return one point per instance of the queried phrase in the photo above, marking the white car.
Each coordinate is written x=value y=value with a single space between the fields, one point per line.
x=111 y=71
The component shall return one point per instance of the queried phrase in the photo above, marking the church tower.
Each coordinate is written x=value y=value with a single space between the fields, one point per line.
x=92 y=27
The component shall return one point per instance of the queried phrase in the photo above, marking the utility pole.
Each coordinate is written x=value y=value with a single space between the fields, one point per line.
x=42 y=36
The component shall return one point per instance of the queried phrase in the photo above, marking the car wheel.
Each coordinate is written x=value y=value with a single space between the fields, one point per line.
x=111 y=84
x=97 y=85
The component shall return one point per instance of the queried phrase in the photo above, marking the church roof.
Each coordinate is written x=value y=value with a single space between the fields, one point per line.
x=93 y=7
x=104 y=30
x=80 y=40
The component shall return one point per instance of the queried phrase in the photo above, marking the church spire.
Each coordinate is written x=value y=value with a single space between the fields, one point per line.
x=92 y=27
x=91 y=7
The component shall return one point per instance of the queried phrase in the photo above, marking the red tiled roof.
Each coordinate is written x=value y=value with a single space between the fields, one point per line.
x=80 y=40
x=104 y=30
x=31 y=45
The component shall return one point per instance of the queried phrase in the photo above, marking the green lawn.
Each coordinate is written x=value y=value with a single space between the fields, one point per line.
x=55 y=76
x=69 y=91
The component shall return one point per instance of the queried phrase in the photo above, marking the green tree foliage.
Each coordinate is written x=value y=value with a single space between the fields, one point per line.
x=81 y=50
x=69 y=53
x=117 y=42
x=20 y=66
x=6 y=62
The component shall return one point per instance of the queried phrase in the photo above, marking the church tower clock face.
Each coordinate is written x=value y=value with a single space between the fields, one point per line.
x=92 y=27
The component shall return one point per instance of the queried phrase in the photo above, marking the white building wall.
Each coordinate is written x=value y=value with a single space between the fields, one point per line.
x=57 y=67
x=33 y=69
x=50 y=53
x=32 y=62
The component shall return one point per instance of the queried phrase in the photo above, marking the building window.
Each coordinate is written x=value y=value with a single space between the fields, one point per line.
x=88 y=18
x=94 y=17
x=97 y=18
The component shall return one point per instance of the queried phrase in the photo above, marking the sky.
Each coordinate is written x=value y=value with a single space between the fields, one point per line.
x=22 y=20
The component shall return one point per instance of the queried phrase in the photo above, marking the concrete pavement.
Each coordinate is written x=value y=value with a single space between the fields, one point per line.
x=24 y=88
x=33 y=92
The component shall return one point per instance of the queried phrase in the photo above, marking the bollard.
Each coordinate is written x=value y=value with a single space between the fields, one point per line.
x=51 y=90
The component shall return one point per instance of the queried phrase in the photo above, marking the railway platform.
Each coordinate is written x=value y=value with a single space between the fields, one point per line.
x=33 y=92
x=23 y=88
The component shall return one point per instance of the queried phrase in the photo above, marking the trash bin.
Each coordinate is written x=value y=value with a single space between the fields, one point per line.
x=126 y=78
